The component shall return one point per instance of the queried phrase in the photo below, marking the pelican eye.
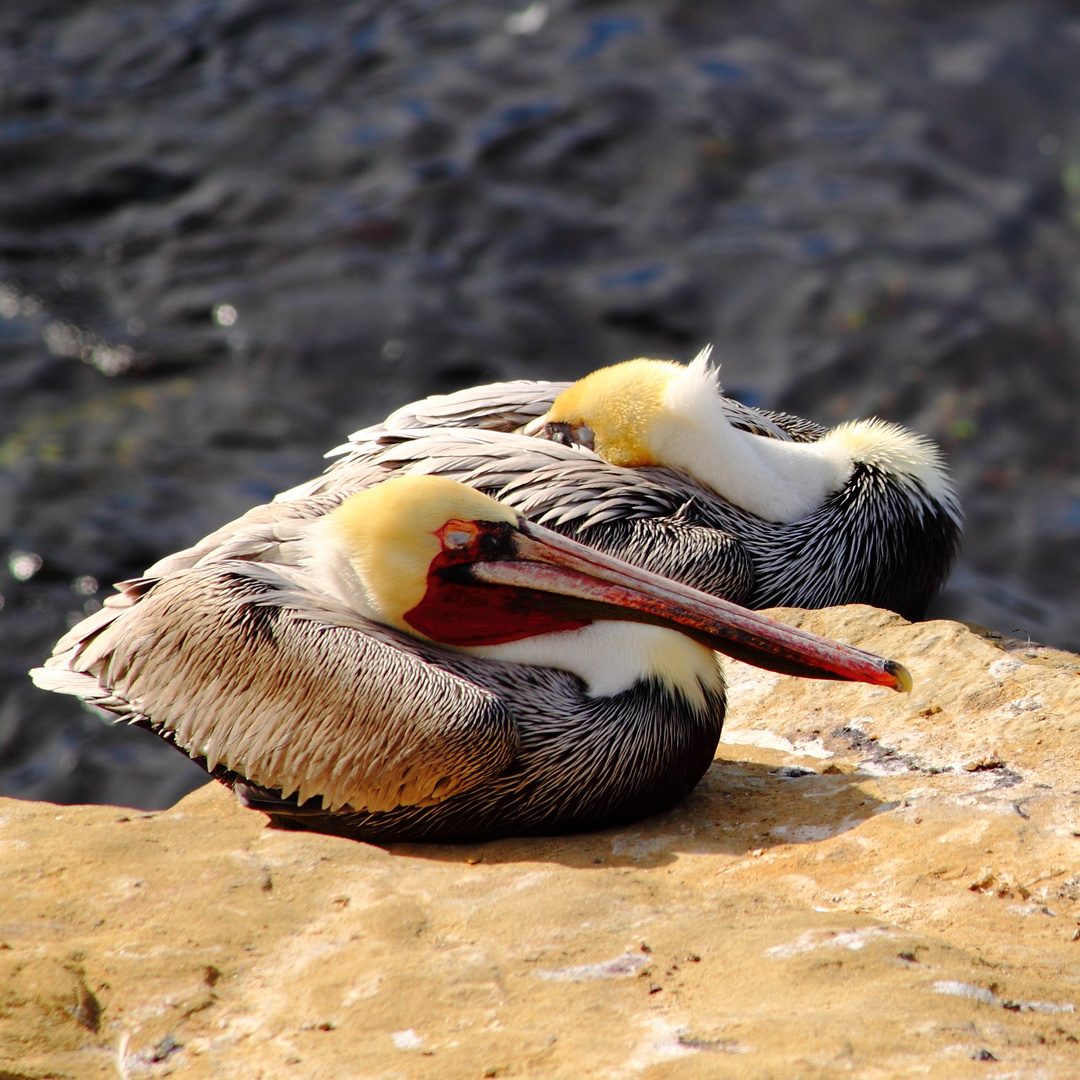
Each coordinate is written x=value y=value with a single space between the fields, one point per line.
x=456 y=535
x=583 y=436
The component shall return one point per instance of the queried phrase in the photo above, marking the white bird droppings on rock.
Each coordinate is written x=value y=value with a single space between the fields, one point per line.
x=829 y=939
x=1005 y=668
x=628 y=964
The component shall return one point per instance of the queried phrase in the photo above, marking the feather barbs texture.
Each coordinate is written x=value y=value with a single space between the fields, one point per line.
x=583 y=763
x=688 y=387
x=611 y=657
x=265 y=690
x=875 y=541
x=910 y=459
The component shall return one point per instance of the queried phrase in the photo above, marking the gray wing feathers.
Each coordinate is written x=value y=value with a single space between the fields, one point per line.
x=496 y=407
x=492 y=413
x=785 y=426
x=239 y=673
x=62 y=681
x=509 y=406
x=550 y=483
x=267 y=533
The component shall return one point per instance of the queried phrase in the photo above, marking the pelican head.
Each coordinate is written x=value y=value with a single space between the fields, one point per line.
x=656 y=412
x=446 y=563
x=614 y=411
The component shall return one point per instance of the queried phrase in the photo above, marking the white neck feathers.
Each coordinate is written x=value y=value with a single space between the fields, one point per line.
x=774 y=479
x=334 y=573
x=610 y=657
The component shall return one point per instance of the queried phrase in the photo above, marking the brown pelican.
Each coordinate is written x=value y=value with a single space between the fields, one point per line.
x=760 y=507
x=417 y=660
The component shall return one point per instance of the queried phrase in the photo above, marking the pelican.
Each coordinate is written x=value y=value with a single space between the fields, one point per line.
x=760 y=507
x=418 y=661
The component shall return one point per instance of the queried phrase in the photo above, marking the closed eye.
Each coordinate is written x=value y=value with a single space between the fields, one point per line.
x=456 y=535
x=583 y=436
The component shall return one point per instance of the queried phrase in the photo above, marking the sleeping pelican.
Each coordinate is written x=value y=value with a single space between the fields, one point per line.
x=762 y=508
x=418 y=661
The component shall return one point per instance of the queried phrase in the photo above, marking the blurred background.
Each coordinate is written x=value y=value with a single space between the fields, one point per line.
x=233 y=231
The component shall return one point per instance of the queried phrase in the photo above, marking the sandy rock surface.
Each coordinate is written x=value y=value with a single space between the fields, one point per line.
x=865 y=884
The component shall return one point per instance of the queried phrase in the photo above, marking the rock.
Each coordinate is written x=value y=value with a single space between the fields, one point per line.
x=864 y=883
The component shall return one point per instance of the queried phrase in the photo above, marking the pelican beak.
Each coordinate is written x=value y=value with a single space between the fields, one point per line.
x=556 y=431
x=599 y=586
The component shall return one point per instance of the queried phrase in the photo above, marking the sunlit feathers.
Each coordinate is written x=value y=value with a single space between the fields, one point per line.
x=655 y=412
x=375 y=549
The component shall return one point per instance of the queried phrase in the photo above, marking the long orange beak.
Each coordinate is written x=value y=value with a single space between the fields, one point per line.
x=603 y=587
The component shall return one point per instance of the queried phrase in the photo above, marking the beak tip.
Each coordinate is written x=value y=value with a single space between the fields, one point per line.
x=902 y=676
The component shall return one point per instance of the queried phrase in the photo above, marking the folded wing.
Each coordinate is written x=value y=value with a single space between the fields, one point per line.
x=240 y=666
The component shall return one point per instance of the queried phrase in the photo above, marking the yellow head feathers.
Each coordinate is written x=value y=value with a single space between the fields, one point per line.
x=391 y=533
x=618 y=404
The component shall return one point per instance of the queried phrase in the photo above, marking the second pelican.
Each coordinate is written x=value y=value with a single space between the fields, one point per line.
x=653 y=464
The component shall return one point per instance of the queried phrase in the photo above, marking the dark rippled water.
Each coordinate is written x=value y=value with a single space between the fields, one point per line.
x=231 y=232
